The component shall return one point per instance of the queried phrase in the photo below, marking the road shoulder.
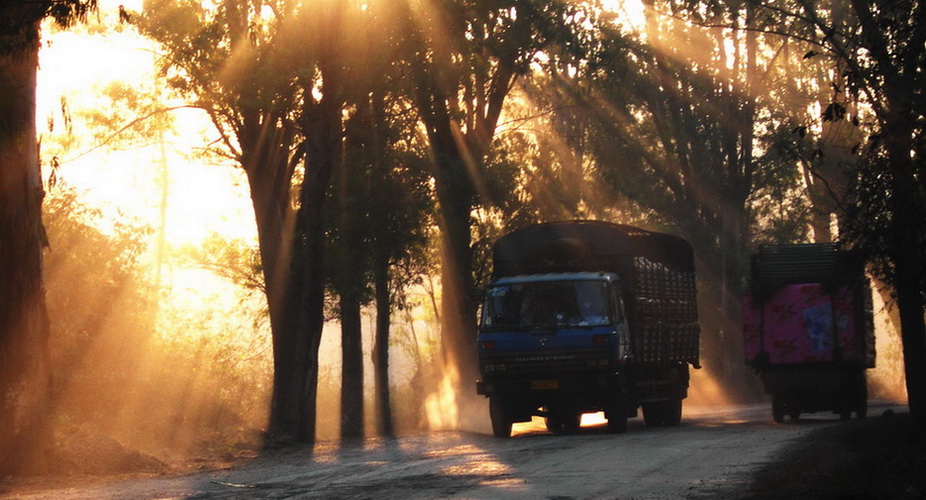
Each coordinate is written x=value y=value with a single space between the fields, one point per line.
x=873 y=458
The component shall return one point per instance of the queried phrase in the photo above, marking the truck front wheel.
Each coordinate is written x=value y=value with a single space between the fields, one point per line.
x=564 y=422
x=501 y=422
x=860 y=398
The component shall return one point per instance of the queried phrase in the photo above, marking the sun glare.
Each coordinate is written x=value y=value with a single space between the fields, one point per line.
x=629 y=12
x=201 y=197
x=441 y=406
x=181 y=334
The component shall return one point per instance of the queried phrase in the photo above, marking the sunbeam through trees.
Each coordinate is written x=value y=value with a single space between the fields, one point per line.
x=361 y=158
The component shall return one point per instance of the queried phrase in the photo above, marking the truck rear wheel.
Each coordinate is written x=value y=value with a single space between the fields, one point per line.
x=861 y=404
x=857 y=402
x=663 y=413
x=501 y=422
x=861 y=399
x=617 y=424
x=778 y=409
x=654 y=414
x=672 y=412
x=785 y=405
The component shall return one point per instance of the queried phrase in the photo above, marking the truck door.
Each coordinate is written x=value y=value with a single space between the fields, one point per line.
x=620 y=322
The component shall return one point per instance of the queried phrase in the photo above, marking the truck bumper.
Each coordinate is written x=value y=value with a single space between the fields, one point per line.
x=584 y=392
x=796 y=390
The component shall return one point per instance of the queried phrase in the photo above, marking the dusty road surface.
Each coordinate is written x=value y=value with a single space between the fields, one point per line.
x=713 y=453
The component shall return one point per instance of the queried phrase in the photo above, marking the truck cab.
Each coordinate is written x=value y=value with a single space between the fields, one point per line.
x=571 y=308
x=553 y=342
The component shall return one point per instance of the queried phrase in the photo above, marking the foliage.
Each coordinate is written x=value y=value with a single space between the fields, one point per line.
x=780 y=208
x=124 y=116
x=234 y=260
x=863 y=59
x=17 y=28
x=99 y=305
x=202 y=64
x=159 y=385
x=381 y=200
x=878 y=51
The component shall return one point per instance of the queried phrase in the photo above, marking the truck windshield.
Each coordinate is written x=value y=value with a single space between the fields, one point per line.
x=547 y=303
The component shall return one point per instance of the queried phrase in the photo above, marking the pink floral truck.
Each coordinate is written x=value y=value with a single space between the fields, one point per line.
x=808 y=329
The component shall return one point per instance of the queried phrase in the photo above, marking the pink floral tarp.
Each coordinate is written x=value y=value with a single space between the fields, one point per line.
x=805 y=324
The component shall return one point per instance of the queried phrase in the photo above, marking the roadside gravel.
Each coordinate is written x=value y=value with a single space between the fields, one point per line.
x=872 y=458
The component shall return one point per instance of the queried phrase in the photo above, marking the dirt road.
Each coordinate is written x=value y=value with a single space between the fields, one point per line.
x=713 y=452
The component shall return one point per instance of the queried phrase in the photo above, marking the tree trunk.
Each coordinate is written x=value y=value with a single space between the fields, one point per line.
x=907 y=220
x=732 y=248
x=820 y=224
x=295 y=345
x=913 y=336
x=269 y=177
x=25 y=440
x=458 y=307
x=381 y=349
x=455 y=199
x=351 y=368
x=294 y=375
x=295 y=348
x=460 y=110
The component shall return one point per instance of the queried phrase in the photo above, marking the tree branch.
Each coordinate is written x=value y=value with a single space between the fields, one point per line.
x=126 y=127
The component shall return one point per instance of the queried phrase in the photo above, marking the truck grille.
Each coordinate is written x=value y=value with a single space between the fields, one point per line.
x=545 y=362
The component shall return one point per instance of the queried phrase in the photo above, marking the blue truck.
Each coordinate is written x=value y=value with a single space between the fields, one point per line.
x=588 y=316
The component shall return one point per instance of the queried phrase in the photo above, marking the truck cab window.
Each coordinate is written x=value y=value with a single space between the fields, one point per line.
x=548 y=303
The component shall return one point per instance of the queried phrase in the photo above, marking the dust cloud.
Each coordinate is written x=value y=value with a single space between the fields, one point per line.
x=143 y=377
x=147 y=377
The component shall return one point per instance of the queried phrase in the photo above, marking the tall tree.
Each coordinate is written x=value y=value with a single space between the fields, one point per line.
x=222 y=60
x=350 y=264
x=380 y=209
x=382 y=201
x=358 y=207
x=465 y=58
x=399 y=207
x=24 y=379
x=676 y=133
x=323 y=80
x=880 y=49
x=269 y=75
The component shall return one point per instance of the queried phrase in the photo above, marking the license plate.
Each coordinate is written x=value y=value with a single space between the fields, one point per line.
x=544 y=385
